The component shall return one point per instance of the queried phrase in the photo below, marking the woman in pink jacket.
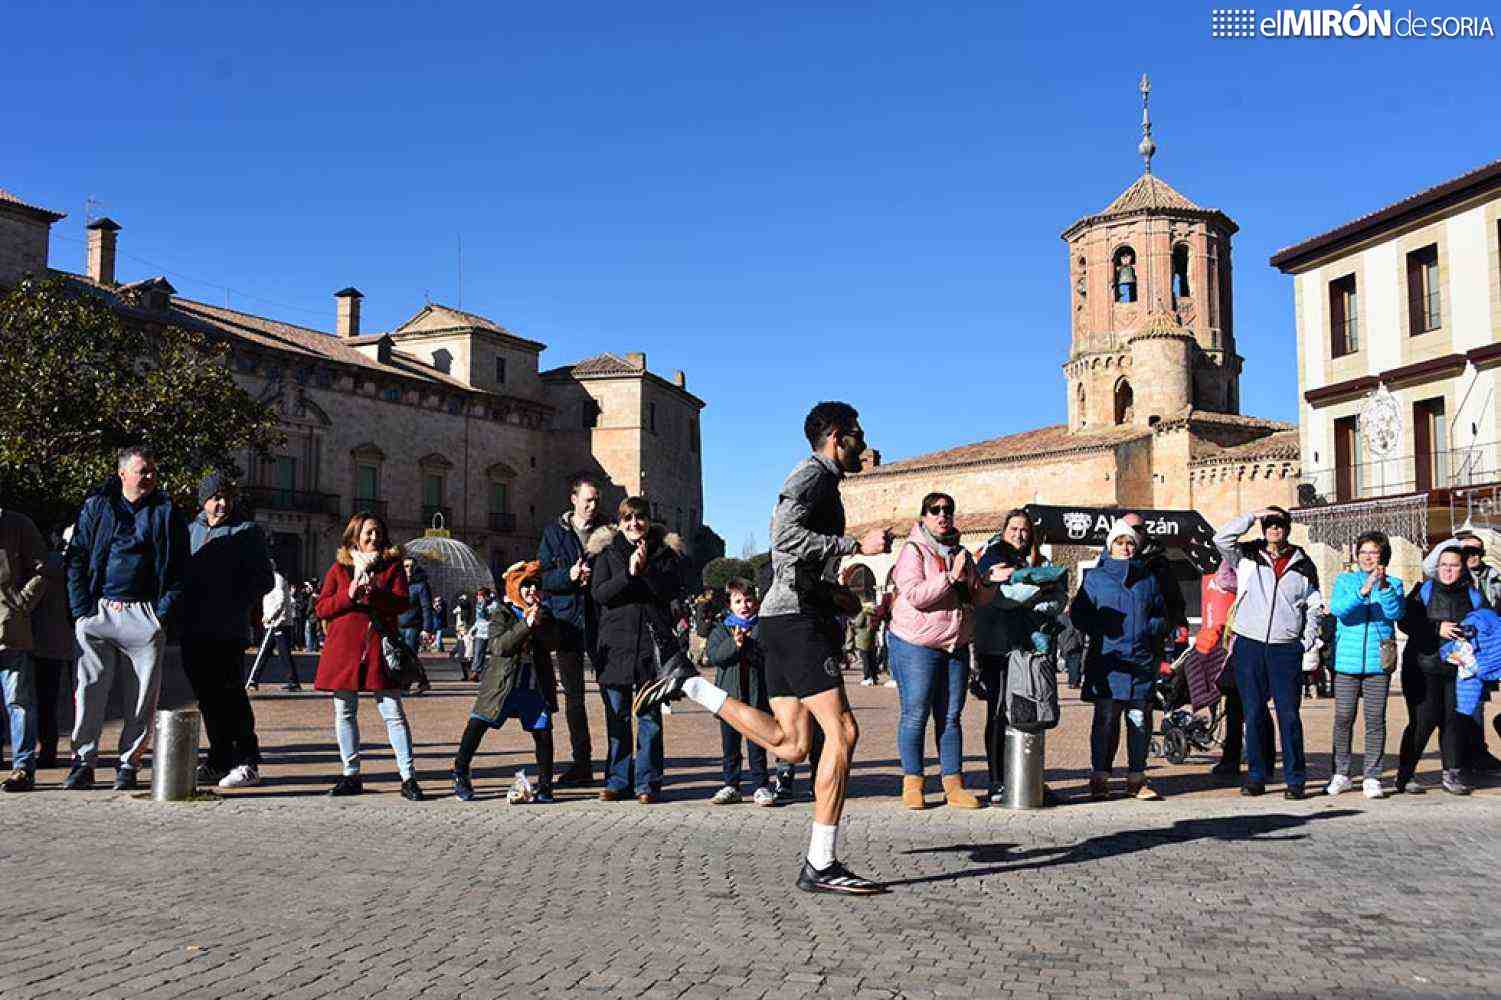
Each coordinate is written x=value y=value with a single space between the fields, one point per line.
x=937 y=588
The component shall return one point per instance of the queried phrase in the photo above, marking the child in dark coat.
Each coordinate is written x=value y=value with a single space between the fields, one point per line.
x=509 y=687
x=734 y=651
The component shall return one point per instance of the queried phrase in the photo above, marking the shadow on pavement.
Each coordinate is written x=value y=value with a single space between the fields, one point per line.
x=999 y=859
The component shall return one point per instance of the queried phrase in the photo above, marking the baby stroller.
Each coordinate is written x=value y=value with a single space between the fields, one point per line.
x=1187 y=697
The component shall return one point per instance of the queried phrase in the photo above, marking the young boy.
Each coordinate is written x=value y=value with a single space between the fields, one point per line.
x=509 y=687
x=734 y=651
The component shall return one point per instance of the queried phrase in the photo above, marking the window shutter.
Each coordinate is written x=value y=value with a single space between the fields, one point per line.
x=1414 y=295
x=1338 y=344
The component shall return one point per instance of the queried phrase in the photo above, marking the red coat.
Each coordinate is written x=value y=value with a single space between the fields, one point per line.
x=351 y=658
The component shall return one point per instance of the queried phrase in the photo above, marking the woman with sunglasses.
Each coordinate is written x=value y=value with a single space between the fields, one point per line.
x=937 y=589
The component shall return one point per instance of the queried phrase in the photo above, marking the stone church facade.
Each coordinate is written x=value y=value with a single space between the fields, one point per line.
x=1152 y=382
x=447 y=419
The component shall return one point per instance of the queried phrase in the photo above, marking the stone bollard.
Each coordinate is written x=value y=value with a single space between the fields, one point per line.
x=174 y=759
x=1023 y=769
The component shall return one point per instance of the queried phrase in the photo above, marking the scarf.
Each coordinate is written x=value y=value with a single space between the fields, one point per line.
x=363 y=561
x=733 y=620
x=945 y=544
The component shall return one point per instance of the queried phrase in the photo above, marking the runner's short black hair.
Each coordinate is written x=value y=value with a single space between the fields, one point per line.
x=828 y=418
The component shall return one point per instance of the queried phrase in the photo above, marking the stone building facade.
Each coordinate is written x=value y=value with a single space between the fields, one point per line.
x=1398 y=316
x=447 y=419
x=1152 y=382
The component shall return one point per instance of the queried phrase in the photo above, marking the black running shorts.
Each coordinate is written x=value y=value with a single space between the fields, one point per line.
x=803 y=655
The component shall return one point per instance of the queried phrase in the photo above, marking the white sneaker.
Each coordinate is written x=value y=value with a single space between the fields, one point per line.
x=726 y=796
x=866 y=682
x=241 y=777
x=890 y=684
x=764 y=797
x=666 y=709
x=1372 y=788
x=1338 y=783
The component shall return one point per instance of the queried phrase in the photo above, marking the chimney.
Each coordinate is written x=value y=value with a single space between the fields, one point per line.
x=348 y=324
x=101 y=254
x=680 y=379
x=636 y=359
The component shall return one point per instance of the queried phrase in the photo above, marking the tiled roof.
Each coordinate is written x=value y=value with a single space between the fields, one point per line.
x=10 y=199
x=1149 y=191
x=1280 y=445
x=599 y=364
x=302 y=340
x=1428 y=200
x=1014 y=447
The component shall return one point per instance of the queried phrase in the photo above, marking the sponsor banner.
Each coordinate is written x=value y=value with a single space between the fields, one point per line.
x=1184 y=530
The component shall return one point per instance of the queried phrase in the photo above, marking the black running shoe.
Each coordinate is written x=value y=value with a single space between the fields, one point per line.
x=836 y=878
x=80 y=777
x=348 y=784
x=667 y=687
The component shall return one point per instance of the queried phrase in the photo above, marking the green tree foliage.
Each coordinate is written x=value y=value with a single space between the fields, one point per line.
x=78 y=382
x=724 y=569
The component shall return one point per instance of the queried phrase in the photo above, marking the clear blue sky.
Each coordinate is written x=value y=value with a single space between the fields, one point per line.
x=790 y=202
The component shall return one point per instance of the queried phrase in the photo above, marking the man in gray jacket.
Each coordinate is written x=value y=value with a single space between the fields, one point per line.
x=22 y=552
x=1276 y=622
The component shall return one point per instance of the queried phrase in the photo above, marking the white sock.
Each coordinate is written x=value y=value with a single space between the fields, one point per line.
x=701 y=691
x=821 y=845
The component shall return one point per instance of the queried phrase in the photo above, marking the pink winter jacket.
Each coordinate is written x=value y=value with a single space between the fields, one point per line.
x=928 y=611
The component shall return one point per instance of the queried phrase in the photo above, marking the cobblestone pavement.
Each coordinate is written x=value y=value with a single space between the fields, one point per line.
x=273 y=892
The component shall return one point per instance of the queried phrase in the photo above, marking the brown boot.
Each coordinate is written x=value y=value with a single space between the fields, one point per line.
x=912 y=791
x=955 y=795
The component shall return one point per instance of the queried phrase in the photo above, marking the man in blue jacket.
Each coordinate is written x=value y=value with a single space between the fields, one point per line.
x=125 y=581
x=230 y=568
x=565 y=586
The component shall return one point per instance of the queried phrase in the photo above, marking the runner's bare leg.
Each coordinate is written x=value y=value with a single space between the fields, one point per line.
x=831 y=712
x=787 y=732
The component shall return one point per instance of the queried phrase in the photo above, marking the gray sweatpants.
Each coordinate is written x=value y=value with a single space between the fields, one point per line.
x=1348 y=690
x=125 y=639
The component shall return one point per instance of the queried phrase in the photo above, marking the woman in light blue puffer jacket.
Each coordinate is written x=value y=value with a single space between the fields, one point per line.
x=1366 y=605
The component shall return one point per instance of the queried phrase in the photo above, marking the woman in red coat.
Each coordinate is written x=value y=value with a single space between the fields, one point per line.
x=366 y=581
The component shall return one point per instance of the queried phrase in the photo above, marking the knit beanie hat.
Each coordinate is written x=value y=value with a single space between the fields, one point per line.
x=1120 y=529
x=214 y=482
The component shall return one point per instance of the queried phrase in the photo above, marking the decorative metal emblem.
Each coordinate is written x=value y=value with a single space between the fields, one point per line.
x=1381 y=423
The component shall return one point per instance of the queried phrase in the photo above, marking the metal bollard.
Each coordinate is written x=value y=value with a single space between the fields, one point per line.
x=1023 y=769
x=174 y=759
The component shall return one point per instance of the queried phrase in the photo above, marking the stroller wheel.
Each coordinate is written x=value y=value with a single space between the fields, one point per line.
x=1175 y=746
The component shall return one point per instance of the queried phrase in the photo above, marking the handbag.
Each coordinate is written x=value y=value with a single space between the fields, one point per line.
x=1388 y=651
x=401 y=661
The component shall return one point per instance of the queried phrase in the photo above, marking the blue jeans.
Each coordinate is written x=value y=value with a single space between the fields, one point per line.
x=413 y=638
x=619 y=765
x=310 y=634
x=1272 y=671
x=1105 y=734
x=18 y=683
x=930 y=682
x=347 y=729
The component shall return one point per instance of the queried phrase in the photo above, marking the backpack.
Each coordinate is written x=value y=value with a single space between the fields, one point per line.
x=1031 y=692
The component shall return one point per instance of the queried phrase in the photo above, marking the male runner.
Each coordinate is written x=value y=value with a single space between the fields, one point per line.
x=802 y=639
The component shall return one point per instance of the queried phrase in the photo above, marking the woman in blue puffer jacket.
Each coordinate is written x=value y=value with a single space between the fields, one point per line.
x=1121 y=610
x=1366 y=606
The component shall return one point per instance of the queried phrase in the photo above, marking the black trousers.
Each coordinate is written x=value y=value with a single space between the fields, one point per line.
x=1430 y=706
x=993 y=670
x=868 y=663
x=469 y=746
x=50 y=675
x=214 y=669
x=564 y=665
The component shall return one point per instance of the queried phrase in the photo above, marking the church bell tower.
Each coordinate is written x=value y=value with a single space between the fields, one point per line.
x=1149 y=286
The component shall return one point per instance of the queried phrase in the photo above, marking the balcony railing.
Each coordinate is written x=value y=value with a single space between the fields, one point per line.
x=369 y=505
x=502 y=521
x=297 y=501
x=1413 y=473
x=431 y=514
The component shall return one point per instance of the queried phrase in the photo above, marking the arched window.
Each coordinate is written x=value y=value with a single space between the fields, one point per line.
x=1125 y=402
x=1125 y=275
x=1180 y=272
x=1080 y=410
